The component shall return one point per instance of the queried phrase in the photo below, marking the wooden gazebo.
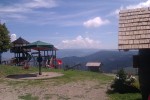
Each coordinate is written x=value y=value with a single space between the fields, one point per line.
x=45 y=47
x=22 y=47
x=20 y=53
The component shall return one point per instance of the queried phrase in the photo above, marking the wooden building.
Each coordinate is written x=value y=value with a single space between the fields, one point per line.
x=134 y=34
x=134 y=29
x=94 y=66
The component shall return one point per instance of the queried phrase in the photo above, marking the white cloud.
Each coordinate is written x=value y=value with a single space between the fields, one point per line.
x=27 y=6
x=95 y=22
x=25 y=10
x=40 y=4
x=139 y=5
x=13 y=37
x=79 y=42
x=116 y=12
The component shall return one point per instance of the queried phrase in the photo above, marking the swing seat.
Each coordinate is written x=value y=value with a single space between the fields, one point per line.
x=26 y=67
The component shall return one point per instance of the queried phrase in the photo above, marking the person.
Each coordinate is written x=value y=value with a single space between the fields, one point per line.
x=48 y=63
x=51 y=62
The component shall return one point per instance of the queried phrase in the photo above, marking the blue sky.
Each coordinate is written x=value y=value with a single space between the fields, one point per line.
x=67 y=24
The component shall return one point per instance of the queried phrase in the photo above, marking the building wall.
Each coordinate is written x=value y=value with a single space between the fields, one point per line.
x=94 y=69
x=134 y=29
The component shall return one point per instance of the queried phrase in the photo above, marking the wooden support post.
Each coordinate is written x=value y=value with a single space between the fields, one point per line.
x=55 y=59
x=47 y=52
x=144 y=73
x=44 y=54
x=39 y=61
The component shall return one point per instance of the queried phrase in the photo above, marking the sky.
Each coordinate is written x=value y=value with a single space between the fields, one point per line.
x=67 y=24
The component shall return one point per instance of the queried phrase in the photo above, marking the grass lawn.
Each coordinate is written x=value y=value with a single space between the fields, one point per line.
x=28 y=97
x=126 y=96
x=69 y=76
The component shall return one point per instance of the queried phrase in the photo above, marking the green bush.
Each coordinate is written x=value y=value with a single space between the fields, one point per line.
x=136 y=85
x=124 y=83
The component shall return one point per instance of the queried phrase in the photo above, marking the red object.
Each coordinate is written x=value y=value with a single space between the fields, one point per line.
x=59 y=61
x=51 y=65
x=149 y=97
x=26 y=65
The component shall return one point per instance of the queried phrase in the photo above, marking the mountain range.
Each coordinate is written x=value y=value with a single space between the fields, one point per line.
x=75 y=52
x=110 y=59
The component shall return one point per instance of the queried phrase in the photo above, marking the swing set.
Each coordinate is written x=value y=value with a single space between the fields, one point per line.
x=24 y=55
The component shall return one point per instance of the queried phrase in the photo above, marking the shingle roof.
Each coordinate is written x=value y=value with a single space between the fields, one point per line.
x=94 y=64
x=39 y=45
x=20 y=41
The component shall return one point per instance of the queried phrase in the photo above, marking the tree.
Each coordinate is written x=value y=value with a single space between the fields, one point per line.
x=123 y=83
x=4 y=40
x=122 y=75
x=119 y=82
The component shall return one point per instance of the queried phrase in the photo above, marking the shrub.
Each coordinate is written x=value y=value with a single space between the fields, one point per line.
x=124 y=83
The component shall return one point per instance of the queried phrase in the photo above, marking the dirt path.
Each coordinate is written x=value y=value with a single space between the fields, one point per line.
x=80 y=90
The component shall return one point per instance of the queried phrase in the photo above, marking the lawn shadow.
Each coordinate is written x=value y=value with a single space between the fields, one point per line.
x=19 y=76
x=114 y=93
x=110 y=91
x=138 y=99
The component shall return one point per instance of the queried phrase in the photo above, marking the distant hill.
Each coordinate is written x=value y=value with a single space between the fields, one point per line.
x=61 y=53
x=112 y=59
x=75 y=52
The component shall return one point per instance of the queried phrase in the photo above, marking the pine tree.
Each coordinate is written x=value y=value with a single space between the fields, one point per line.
x=4 y=40
x=122 y=75
x=119 y=82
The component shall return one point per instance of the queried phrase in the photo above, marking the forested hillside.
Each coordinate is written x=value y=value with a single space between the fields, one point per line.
x=110 y=59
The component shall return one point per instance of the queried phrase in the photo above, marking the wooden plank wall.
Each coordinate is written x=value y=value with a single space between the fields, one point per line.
x=134 y=29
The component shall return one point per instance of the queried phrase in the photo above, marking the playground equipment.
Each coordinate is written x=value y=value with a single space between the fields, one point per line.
x=50 y=62
x=26 y=65
x=20 y=53
x=21 y=49
x=42 y=46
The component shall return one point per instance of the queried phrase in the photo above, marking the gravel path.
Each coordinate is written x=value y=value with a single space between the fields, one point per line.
x=80 y=90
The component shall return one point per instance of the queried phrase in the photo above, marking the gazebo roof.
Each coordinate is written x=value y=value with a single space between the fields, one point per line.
x=54 y=48
x=39 y=45
x=20 y=41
